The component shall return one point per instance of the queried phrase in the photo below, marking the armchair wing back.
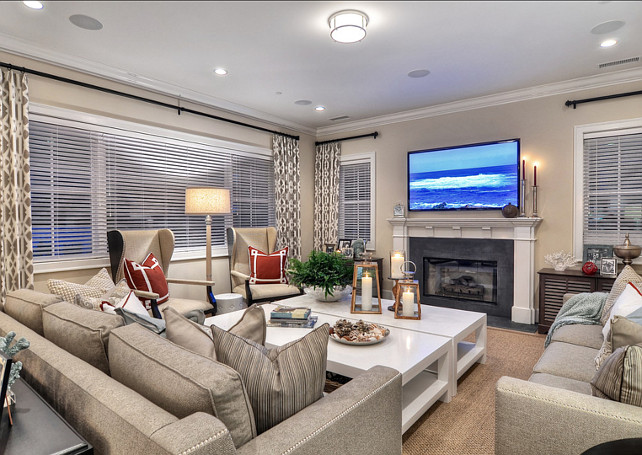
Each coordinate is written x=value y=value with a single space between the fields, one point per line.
x=136 y=245
x=238 y=241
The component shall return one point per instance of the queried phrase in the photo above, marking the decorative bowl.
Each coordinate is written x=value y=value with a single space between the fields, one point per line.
x=338 y=293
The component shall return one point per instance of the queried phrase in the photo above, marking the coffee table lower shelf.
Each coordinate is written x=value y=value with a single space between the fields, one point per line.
x=419 y=394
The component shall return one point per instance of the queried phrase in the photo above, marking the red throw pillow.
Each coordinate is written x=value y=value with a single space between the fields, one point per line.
x=148 y=277
x=268 y=268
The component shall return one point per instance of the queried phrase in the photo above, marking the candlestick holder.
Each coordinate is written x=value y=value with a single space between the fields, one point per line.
x=535 y=201
x=522 y=199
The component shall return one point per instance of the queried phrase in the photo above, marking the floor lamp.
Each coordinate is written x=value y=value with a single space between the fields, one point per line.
x=207 y=201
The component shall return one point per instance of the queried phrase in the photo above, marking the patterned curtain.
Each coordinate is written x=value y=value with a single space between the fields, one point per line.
x=16 y=251
x=327 y=164
x=287 y=193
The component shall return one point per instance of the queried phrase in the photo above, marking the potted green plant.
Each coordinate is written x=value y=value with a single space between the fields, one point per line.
x=327 y=276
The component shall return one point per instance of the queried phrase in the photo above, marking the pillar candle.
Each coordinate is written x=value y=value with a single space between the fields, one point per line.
x=366 y=293
x=408 y=301
x=396 y=262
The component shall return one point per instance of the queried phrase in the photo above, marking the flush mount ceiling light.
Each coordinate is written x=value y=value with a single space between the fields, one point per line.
x=348 y=26
x=608 y=43
x=220 y=71
x=319 y=108
x=34 y=5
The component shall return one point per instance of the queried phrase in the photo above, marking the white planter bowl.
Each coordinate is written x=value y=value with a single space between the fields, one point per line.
x=338 y=293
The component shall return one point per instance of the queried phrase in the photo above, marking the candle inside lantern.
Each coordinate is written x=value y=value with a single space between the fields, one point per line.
x=396 y=263
x=408 y=301
x=366 y=293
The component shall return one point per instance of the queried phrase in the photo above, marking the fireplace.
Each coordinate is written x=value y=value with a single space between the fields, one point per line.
x=467 y=274
x=460 y=279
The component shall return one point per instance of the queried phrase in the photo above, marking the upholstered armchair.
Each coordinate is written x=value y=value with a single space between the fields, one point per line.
x=238 y=242
x=135 y=246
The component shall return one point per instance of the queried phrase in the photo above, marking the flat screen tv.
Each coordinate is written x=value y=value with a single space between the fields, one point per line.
x=466 y=177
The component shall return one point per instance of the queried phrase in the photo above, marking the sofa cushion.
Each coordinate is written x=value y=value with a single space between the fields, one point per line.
x=580 y=334
x=561 y=383
x=81 y=332
x=619 y=378
x=628 y=274
x=25 y=306
x=180 y=381
x=567 y=360
x=279 y=381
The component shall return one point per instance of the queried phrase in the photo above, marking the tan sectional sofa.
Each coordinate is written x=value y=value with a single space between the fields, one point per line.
x=172 y=409
x=553 y=412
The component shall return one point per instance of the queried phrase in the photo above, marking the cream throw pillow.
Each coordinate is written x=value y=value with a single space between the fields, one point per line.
x=97 y=285
x=113 y=296
x=626 y=276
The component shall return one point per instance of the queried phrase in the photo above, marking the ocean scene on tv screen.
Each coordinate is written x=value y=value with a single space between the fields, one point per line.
x=476 y=177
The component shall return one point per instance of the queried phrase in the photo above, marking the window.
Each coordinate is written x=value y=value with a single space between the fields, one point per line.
x=608 y=184
x=98 y=174
x=356 y=198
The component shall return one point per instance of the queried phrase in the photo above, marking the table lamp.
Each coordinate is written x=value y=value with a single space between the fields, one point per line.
x=207 y=201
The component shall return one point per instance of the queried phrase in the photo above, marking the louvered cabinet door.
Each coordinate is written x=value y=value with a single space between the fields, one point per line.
x=552 y=287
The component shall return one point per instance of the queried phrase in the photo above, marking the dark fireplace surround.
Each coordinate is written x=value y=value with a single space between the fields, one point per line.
x=486 y=250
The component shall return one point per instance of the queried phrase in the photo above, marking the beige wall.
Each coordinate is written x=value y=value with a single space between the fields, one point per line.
x=546 y=129
x=52 y=93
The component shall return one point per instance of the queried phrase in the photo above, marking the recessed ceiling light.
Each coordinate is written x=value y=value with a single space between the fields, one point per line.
x=86 y=22
x=319 y=108
x=220 y=71
x=418 y=73
x=34 y=5
x=348 y=26
x=303 y=102
x=608 y=43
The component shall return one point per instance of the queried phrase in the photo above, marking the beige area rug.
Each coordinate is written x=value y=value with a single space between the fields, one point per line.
x=466 y=425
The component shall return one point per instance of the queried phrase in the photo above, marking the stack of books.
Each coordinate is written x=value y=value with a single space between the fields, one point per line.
x=284 y=316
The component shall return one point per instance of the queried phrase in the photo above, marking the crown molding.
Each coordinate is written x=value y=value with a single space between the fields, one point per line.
x=21 y=48
x=540 y=91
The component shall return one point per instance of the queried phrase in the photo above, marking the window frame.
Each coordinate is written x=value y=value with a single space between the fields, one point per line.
x=368 y=157
x=618 y=127
x=101 y=123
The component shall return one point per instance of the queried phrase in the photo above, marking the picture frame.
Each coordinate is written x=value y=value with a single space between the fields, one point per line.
x=5 y=372
x=329 y=247
x=594 y=253
x=399 y=210
x=608 y=267
x=344 y=243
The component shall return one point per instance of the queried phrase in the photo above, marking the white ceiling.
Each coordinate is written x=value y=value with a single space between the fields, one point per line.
x=280 y=52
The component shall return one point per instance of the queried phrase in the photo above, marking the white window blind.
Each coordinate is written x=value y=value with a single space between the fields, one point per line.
x=612 y=188
x=356 y=200
x=88 y=179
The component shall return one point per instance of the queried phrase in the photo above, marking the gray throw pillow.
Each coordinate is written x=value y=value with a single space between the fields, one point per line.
x=619 y=376
x=153 y=324
x=281 y=381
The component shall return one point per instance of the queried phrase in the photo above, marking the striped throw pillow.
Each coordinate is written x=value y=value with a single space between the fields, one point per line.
x=620 y=376
x=281 y=381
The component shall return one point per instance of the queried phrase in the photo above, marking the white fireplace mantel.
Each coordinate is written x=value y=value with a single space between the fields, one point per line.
x=521 y=230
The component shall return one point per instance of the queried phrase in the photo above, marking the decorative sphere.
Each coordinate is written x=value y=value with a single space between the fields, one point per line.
x=589 y=268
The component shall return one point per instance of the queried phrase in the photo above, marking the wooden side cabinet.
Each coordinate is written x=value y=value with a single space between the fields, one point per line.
x=553 y=285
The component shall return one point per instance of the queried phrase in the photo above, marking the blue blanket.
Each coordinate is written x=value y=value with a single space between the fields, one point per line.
x=584 y=308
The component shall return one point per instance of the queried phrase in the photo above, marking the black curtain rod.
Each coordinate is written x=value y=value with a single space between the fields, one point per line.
x=374 y=136
x=179 y=109
x=574 y=103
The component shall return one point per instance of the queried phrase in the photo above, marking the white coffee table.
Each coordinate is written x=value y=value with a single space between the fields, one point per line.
x=409 y=352
x=448 y=322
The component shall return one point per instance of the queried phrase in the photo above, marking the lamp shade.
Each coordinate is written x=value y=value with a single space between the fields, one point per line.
x=207 y=201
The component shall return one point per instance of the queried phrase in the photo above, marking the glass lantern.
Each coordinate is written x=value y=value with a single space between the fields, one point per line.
x=407 y=300
x=397 y=260
x=366 y=295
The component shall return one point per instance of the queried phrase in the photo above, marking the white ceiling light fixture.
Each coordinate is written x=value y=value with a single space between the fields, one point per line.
x=319 y=108
x=34 y=5
x=220 y=71
x=348 y=26
x=608 y=43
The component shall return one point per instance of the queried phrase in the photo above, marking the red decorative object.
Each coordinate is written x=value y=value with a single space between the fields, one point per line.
x=148 y=277
x=267 y=268
x=589 y=268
